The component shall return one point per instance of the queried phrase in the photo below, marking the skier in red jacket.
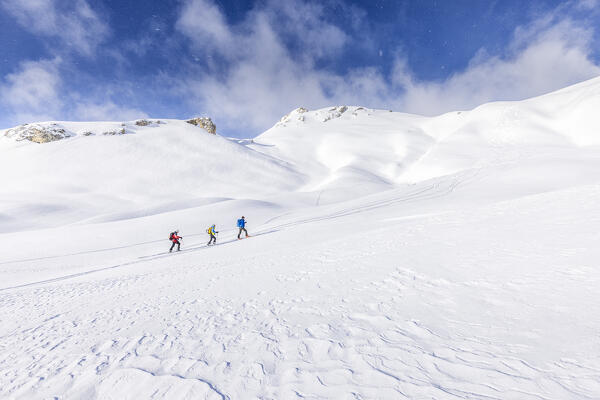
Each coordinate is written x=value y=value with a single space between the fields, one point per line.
x=175 y=239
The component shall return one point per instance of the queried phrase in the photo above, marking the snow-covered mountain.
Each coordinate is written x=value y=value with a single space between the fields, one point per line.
x=394 y=255
x=115 y=169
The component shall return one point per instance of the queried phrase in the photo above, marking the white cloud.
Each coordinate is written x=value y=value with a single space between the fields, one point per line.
x=74 y=23
x=32 y=93
x=36 y=92
x=545 y=57
x=263 y=79
x=203 y=22
x=259 y=68
x=107 y=111
x=587 y=5
x=303 y=23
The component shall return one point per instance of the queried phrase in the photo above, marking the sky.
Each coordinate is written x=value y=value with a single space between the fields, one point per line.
x=245 y=64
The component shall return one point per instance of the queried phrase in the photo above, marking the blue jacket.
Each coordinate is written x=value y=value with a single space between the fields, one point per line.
x=241 y=223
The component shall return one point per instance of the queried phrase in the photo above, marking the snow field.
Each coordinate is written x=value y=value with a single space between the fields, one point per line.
x=331 y=309
x=393 y=256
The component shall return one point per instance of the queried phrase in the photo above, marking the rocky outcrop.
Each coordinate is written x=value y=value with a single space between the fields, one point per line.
x=360 y=109
x=334 y=112
x=294 y=115
x=37 y=133
x=143 y=122
x=205 y=123
x=146 y=122
x=301 y=114
x=117 y=132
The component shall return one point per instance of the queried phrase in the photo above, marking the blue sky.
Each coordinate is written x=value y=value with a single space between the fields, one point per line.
x=247 y=63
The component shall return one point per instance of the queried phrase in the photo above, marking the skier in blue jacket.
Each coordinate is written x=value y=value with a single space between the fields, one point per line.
x=241 y=223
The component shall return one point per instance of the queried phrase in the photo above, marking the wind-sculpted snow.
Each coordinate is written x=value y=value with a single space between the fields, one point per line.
x=398 y=310
x=391 y=256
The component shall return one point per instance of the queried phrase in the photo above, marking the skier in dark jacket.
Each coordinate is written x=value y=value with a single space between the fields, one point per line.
x=211 y=231
x=241 y=223
x=175 y=239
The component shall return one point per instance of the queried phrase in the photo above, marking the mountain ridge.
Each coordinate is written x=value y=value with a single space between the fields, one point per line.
x=333 y=154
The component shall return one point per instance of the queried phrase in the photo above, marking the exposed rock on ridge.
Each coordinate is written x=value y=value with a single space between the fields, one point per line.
x=205 y=123
x=37 y=133
x=294 y=115
x=300 y=115
x=335 y=112
x=115 y=132
x=146 y=122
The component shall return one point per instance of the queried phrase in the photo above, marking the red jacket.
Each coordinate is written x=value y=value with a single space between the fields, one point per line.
x=175 y=238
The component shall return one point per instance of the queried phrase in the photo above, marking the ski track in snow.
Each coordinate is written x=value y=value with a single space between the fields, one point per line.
x=333 y=320
x=432 y=191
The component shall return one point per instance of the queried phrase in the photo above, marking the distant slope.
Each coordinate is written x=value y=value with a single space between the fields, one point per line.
x=350 y=150
x=332 y=154
x=84 y=176
x=388 y=143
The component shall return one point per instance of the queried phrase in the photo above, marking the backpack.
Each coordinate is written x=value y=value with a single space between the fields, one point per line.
x=240 y=223
x=171 y=235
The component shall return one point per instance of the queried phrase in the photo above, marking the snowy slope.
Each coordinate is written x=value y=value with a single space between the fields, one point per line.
x=150 y=169
x=381 y=147
x=393 y=256
x=335 y=153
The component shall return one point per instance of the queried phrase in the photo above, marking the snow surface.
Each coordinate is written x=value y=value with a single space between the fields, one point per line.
x=392 y=256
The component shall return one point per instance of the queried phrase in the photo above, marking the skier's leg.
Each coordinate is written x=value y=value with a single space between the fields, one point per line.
x=240 y=232
x=178 y=245
x=245 y=232
x=172 y=245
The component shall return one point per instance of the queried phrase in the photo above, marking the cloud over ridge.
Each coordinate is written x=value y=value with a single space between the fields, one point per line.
x=73 y=23
x=264 y=80
x=247 y=72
